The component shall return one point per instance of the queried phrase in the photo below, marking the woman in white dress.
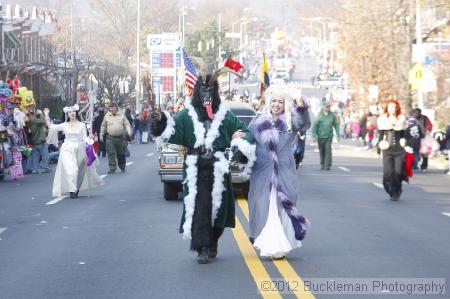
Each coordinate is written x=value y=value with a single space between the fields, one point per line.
x=276 y=227
x=72 y=172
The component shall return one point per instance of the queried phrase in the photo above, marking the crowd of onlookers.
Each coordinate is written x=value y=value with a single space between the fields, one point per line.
x=426 y=140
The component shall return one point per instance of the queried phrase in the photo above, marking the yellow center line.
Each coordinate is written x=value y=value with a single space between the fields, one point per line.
x=254 y=264
x=283 y=266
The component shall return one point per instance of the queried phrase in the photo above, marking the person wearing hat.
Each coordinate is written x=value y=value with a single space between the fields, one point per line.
x=322 y=131
x=117 y=129
x=276 y=226
x=38 y=127
x=75 y=171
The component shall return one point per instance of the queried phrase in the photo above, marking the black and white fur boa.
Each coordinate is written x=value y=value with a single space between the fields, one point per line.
x=384 y=123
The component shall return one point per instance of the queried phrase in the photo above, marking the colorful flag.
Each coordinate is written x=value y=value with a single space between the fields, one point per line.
x=265 y=81
x=233 y=64
x=190 y=75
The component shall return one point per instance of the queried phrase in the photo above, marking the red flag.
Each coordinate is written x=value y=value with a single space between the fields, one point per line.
x=233 y=64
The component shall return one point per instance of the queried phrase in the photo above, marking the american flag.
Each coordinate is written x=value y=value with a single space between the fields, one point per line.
x=190 y=74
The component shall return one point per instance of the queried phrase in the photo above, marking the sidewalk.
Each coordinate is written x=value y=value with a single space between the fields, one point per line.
x=350 y=147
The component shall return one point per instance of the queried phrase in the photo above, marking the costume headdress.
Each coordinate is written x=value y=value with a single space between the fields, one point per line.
x=68 y=109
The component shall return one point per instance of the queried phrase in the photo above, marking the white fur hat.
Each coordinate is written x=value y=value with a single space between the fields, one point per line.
x=276 y=92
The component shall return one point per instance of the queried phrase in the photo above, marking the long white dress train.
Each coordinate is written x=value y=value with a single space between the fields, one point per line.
x=277 y=238
x=72 y=172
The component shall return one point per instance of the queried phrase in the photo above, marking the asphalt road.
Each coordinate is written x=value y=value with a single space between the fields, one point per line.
x=122 y=240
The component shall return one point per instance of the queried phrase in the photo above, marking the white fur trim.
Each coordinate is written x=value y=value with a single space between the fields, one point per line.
x=249 y=150
x=383 y=145
x=189 y=199
x=199 y=130
x=213 y=131
x=169 y=131
x=383 y=123
x=221 y=167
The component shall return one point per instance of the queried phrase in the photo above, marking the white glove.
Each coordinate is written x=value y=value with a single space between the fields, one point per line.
x=402 y=142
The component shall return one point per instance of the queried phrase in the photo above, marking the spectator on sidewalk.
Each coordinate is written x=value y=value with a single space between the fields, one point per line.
x=447 y=146
x=53 y=154
x=138 y=129
x=427 y=127
x=322 y=131
x=38 y=129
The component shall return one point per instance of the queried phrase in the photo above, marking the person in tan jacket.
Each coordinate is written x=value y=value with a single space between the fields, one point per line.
x=118 y=130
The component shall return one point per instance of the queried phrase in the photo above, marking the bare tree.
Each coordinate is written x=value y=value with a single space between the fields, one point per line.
x=116 y=25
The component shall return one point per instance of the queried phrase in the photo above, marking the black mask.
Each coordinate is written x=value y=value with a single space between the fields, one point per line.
x=206 y=95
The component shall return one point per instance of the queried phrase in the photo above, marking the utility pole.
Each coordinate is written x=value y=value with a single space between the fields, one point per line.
x=420 y=102
x=184 y=22
x=2 y=43
x=220 y=42
x=138 y=59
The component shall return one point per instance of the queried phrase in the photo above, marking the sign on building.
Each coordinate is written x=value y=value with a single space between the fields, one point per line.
x=165 y=60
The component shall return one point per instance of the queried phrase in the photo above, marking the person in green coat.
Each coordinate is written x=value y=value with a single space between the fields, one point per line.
x=206 y=127
x=322 y=131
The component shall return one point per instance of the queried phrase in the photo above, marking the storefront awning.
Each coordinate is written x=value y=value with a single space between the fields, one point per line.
x=11 y=41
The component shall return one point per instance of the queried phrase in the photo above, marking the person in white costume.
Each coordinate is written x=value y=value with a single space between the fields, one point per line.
x=72 y=172
x=275 y=225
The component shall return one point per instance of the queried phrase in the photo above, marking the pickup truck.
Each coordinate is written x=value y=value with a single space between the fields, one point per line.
x=171 y=159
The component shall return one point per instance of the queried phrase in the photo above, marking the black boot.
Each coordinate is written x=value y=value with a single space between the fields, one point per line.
x=73 y=195
x=76 y=193
x=202 y=257
x=216 y=234
x=213 y=251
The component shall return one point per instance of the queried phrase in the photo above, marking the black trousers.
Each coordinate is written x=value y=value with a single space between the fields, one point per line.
x=393 y=171
x=204 y=234
x=325 y=152
x=298 y=156
x=102 y=148
x=424 y=164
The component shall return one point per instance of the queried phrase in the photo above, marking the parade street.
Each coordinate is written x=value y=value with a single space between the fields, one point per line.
x=122 y=240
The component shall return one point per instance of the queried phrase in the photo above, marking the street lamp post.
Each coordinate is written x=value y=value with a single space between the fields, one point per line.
x=241 y=47
x=138 y=60
x=420 y=101
x=232 y=28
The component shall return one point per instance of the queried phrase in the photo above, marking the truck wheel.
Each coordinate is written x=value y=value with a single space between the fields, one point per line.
x=170 y=191
x=245 y=189
x=242 y=189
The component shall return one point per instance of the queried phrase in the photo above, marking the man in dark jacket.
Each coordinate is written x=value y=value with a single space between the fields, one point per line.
x=96 y=126
x=413 y=135
x=427 y=127
x=447 y=146
x=39 y=141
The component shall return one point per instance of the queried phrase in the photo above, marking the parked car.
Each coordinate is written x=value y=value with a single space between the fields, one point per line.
x=171 y=159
